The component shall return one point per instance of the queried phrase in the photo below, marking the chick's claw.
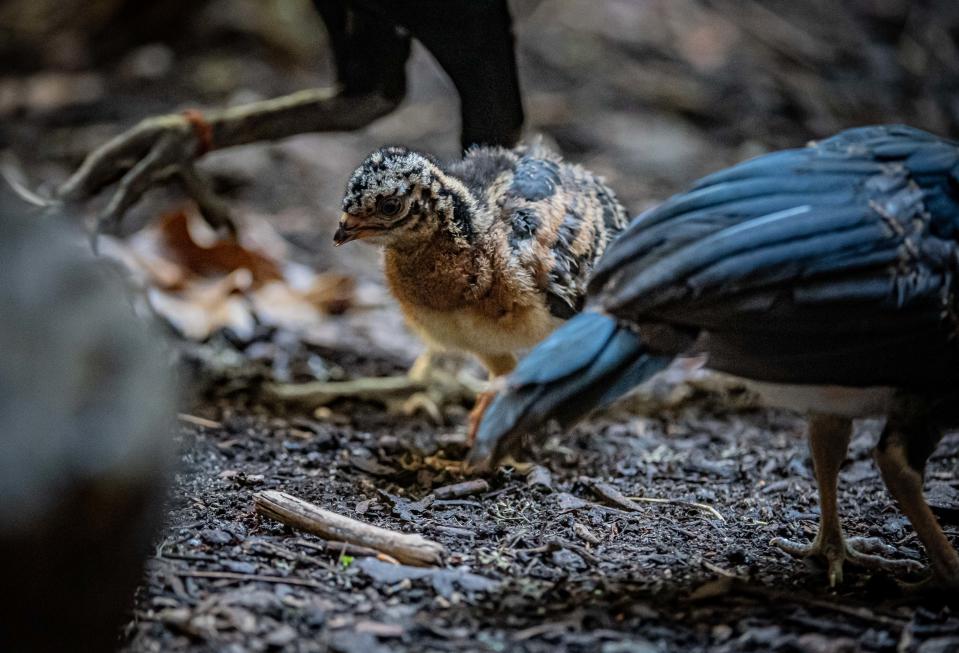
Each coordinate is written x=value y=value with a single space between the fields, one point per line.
x=420 y=402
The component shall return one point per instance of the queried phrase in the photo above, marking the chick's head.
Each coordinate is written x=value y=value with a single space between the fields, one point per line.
x=390 y=199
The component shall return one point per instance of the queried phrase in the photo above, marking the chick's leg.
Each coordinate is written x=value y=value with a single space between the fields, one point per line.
x=498 y=365
x=828 y=441
x=440 y=387
x=906 y=444
x=423 y=401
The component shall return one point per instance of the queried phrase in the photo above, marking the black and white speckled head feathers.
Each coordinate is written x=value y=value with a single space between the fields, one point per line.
x=401 y=198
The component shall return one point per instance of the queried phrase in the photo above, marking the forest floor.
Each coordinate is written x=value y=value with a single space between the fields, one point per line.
x=550 y=561
x=545 y=562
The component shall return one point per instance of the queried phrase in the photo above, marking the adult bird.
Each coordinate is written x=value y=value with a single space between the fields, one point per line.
x=826 y=276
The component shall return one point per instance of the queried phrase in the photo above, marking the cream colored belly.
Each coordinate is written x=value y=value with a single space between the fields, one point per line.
x=827 y=399
x=473 y=332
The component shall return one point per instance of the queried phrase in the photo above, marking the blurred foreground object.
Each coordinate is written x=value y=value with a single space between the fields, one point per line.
x=87 y=398
x=471 y=39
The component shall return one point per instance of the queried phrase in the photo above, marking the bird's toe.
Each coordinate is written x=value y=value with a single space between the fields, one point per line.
x=835 y=571
x=865 y=552
x=834 y=555
x=872 y=553
x=792 y=547
x=422 y=403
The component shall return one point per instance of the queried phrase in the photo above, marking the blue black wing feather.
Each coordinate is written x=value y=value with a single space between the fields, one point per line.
x=838 y=243
x=741 y=225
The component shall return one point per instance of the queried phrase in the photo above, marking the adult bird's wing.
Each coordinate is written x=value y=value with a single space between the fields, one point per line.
x=829 y=264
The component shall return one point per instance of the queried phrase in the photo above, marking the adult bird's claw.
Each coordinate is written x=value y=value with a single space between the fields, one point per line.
x=860 y=551
x=153 y=151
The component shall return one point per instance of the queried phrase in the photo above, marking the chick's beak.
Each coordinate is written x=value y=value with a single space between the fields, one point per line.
x=351 y=228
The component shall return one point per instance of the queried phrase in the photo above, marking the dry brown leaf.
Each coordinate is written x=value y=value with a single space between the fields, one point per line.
x=333 y=293
x=202 y=282
x=205 y=306
x=221 y=256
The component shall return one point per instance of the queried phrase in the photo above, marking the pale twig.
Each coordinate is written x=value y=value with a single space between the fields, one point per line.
x=679 y=502
x=408 y=548
x=195 y=420
x=230 y=575
x=613 y=495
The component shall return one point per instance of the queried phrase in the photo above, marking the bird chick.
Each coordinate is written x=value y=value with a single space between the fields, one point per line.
x=486 y=255
x=825 y=276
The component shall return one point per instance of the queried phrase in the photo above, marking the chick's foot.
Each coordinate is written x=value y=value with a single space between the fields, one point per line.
x=426 y=390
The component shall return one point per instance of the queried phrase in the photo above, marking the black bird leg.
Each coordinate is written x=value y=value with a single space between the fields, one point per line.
x=829 y=437
x=908 y=440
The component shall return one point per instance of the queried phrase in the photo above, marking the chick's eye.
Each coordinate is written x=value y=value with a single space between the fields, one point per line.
x=390 y=206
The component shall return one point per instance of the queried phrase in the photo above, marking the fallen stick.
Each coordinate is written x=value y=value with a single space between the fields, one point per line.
x=407 y=548
x=613 y=495
x=229 y=575
x=199 y=421
x=320 y=393
x=679 y=502
x=345 y=548
x=464 y=489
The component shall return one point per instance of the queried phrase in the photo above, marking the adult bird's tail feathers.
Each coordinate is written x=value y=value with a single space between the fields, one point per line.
x=588 y=362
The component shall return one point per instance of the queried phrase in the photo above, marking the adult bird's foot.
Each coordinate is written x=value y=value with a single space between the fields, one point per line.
x=861 y=551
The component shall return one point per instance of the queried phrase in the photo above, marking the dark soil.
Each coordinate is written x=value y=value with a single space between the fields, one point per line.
x=572 y=571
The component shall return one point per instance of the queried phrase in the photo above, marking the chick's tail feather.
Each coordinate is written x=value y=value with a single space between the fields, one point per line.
x=588 y=362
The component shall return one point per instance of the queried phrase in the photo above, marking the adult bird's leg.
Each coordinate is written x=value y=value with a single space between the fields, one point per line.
x=498 y=365
x=829 y=437
x=167 y=146
x=907 y=442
